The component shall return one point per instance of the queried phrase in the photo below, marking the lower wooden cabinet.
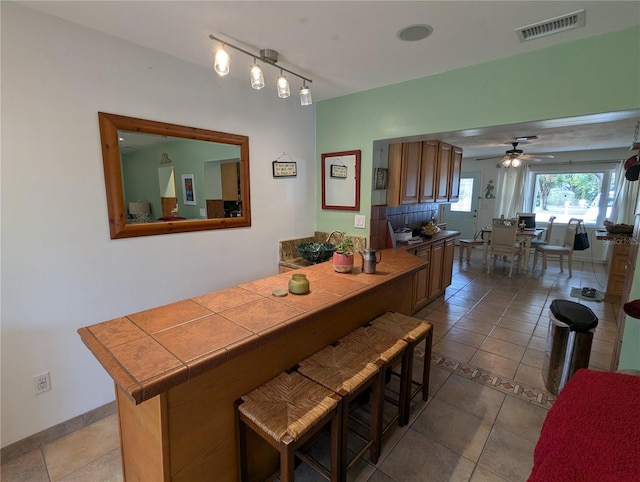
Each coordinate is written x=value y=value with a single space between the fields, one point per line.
x=421 y=280
x=447 y=263
x=618 y=256
x=431 y=281
x=435 y=282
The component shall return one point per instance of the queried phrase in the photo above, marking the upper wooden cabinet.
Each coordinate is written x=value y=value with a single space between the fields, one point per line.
x=454 y=174
x=423 y=172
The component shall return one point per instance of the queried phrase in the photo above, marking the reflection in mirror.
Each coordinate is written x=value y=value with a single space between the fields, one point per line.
x=146 y=164
x=167 y=184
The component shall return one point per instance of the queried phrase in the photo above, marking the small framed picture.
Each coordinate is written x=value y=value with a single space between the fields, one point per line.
x=188 y=190
x=284 y=169
x=338 y=170
x=381 y=178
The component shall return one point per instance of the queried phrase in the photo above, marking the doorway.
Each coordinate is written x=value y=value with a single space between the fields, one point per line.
x=463 y=215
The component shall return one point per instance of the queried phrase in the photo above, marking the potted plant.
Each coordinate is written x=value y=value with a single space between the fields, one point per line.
x=343 y=255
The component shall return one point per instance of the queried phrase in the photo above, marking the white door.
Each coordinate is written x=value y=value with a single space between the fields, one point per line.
x=463 y=215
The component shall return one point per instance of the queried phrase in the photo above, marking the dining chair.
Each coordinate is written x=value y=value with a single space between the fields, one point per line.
x=503 y=242
x=547 y=235
x=566 y=249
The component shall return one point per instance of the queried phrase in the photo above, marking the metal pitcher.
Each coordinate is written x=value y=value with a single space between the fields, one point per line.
x=370 y=258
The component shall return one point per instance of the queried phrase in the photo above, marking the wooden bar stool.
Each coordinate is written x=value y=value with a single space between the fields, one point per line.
x=412 y=331
x=375 y=344
x=287 y=412
x=349 y=374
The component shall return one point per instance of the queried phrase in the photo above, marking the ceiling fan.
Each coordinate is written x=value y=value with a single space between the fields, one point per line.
x=514 y=157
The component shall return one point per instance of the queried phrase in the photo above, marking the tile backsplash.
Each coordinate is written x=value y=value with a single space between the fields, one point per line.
x=413 y=217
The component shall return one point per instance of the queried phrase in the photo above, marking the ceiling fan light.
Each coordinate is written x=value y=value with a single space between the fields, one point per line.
x=222 y=62
x=506 y=162
x=516 y=162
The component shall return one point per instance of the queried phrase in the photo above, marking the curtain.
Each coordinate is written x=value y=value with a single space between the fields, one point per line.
x=625 y=198
x=510 y=195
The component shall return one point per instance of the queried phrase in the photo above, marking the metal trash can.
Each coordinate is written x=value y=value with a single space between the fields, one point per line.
x=569 y=337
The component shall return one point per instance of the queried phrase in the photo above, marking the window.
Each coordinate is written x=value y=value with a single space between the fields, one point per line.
x=582 y=192
x=464 y=199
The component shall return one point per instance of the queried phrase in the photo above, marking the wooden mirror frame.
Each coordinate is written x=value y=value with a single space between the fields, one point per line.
x=329 y=171
x=118 y=227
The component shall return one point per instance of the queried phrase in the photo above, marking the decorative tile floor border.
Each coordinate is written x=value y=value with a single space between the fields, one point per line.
x=503 y=384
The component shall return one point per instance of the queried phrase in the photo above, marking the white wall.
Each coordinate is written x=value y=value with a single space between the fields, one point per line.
x=60 y=270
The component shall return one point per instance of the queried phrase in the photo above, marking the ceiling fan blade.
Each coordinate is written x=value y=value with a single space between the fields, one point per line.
x=487 y=158
x=540 y=156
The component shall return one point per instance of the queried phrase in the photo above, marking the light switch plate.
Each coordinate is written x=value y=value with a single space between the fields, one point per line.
x=360 y=221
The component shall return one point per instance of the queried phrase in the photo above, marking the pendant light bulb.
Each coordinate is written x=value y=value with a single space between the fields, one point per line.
x=506 y=163
x=305 y=95
x=222 y=61
x=257 y=76
x=516 y=162
x=283 y=87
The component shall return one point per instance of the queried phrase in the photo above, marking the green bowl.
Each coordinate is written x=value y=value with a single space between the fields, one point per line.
x=315 y=252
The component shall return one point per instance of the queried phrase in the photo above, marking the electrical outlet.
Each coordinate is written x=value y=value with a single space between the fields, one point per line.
x=405 y=219
x=42 y=383
x=360 y=221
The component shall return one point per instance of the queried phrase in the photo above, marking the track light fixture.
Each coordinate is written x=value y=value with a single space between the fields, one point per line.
x=222 y=62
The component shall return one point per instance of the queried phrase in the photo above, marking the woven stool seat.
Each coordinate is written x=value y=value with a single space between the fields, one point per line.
x=288 y=411
x=412 y=331
x=287 y=406
x=367 y=340
x=349 y=374
x=338 y=369
x=405 y=327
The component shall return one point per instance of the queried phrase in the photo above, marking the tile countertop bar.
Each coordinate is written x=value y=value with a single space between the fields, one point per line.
x=150 y=352
x=297 y=262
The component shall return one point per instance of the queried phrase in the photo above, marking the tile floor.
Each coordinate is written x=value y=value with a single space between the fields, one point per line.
x=487 y=397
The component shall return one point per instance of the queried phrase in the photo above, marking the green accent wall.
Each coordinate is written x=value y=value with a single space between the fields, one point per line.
x=595 y=75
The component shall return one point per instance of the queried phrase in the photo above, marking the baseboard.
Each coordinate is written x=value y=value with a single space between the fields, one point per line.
x=51 y=434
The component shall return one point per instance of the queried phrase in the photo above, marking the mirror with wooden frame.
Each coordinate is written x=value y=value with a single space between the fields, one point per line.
x=341 y=181
x=165 y=178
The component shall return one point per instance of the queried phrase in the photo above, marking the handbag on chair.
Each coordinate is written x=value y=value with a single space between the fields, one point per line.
x=581 y=241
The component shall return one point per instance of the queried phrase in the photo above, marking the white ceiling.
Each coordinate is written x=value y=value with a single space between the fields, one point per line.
x=350 y=46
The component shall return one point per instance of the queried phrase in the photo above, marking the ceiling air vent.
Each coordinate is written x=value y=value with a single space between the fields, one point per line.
x=554 y=25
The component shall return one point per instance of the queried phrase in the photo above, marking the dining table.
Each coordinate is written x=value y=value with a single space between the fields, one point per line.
x=523 y=236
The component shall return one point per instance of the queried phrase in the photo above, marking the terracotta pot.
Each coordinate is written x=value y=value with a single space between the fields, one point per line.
x=342 y=263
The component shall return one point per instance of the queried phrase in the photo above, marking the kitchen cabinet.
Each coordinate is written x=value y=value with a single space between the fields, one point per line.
x=429 y=161
x=432 y=280
x=619 y=255
x=423 y=172
x=421 y=279
x=447 y=262
x=448 y=170
x=454 y=174
x=435 y=280
x=403 y=186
